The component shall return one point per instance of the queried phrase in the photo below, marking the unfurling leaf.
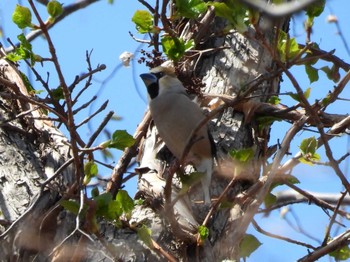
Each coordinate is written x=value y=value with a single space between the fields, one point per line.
x=22 y=17
x=54 y=9
x=308 y=150
x=203 y=232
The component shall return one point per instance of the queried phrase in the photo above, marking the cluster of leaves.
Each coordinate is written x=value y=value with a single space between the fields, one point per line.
x=106 y=207
x=22 y=17
x=175 y=47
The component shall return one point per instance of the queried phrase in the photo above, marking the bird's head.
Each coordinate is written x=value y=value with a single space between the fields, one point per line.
x=161 y=80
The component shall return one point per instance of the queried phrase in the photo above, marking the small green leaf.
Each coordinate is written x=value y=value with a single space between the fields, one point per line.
x=234 y=12
x=57 y=93
x=288 y=48
x=243 y=155
x=70 y=205
x=175 y=47
x=306 y=94
x=143 y=20
x=121 y=140
x=114 y=210
x=269 y=200
x=95 y=192
x=191 y=179
x=315 y=9
x=126 y=202
x=308 y=150
x=203 y=232
x=22 y=17
x=332 y=73
x=54 y=8
x=248 y=245
x=144 y=234
x=308 y=146
x=312 y=73
x=326 y=100
x=341 y=253
x=24 y=51
x=90 y=168
x=274 y=100
x=190 y=8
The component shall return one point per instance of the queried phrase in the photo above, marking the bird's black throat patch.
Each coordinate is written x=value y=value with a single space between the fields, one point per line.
x=153 y=90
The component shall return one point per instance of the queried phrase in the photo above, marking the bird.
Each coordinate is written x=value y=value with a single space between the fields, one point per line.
x=176 y=117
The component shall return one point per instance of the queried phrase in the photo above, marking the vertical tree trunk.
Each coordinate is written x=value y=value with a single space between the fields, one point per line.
x=227 y=65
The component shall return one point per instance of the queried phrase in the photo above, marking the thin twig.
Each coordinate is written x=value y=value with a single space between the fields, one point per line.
x=262 y=231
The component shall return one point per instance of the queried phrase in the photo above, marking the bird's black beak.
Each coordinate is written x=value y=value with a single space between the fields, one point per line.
x=149 y=79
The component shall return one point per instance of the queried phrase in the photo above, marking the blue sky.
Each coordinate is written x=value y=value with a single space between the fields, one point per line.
x=104 y=29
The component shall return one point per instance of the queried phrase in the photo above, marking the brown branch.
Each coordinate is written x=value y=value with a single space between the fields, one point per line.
x=332 y=220
x=262 y=231
x=311 y=110
x=336 y=243
x=117 y=175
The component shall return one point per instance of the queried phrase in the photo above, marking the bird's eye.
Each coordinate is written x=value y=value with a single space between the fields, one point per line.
x=159 y=75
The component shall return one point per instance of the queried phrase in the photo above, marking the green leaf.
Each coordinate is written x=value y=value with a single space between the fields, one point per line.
x=288 y=48
x=203 y=232
x=143 y=20
x=126 y=202
x=308 y=146
x=90 y=168
x=57 y=93
x=24 y=51
x=144 y=234
x=306 y=94
x=248 y=245
x=243 y=155
x=312 y=73
x=341 y=253
x=22 y=17
x=332 y=73
x=274 y=100
x=315 y=9
x=269 y=200
x=70 y=205
x=54 y=8
x=95 y=192
x=114 y=210
x=234 y=12
x=191 y=179
x=308 y=149
x=175 y=47
x=102 y=202
x=190 y=8
x=121 y=140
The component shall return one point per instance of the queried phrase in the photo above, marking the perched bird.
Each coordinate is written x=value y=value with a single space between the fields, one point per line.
x=176 y=116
